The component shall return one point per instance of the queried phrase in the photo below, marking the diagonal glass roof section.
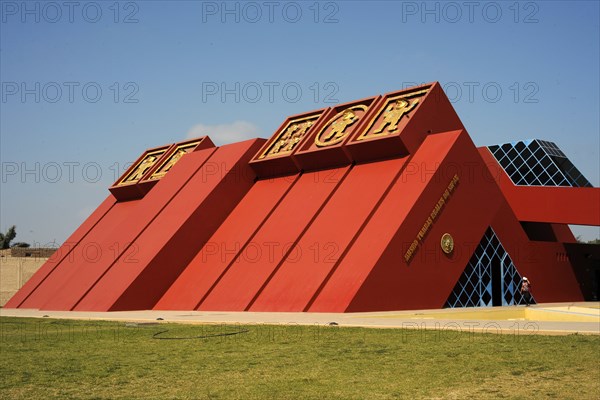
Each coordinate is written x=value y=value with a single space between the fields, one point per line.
x=537 y=162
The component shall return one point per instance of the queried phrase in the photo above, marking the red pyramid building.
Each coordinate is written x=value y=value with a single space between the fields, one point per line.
x=379 y=204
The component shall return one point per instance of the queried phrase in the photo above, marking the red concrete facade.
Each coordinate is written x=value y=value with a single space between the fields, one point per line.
x=344 y=209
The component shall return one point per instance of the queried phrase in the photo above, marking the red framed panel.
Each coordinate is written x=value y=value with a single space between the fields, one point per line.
x=273 y=159
x=170 y=158
x=400 y=121
x=126 y=187
x=324 y=146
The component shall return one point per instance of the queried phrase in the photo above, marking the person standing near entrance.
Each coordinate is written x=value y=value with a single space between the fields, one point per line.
x=526 y=291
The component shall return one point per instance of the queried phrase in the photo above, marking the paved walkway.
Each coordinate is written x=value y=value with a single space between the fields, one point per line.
x=546 y=319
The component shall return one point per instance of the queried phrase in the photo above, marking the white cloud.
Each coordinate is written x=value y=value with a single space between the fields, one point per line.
x=225 y=133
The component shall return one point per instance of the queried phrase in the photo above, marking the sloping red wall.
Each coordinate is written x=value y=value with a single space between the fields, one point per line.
x=328 y=238
x=172 y=238
x=377 y=257
x=62 y=253
x=76 y=273
x=110 y=239
x=275 y=240
x=230 y=243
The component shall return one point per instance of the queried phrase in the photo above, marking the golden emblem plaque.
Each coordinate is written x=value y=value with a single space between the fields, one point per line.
x=290 y=136
x=447 y=243
x=336 y=129
x=167 y=164
x=394 y=109
x=142 y=167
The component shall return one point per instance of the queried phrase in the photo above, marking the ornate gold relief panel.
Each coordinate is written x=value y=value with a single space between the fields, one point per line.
x=290 y=136
x=142 y=166
x=171 y=160
x=339 y=126
x=391 y=114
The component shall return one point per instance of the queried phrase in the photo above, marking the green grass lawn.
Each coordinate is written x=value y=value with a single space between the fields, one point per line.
x=44 y=358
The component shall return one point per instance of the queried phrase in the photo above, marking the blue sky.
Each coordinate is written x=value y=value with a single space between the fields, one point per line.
x=88 y=85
